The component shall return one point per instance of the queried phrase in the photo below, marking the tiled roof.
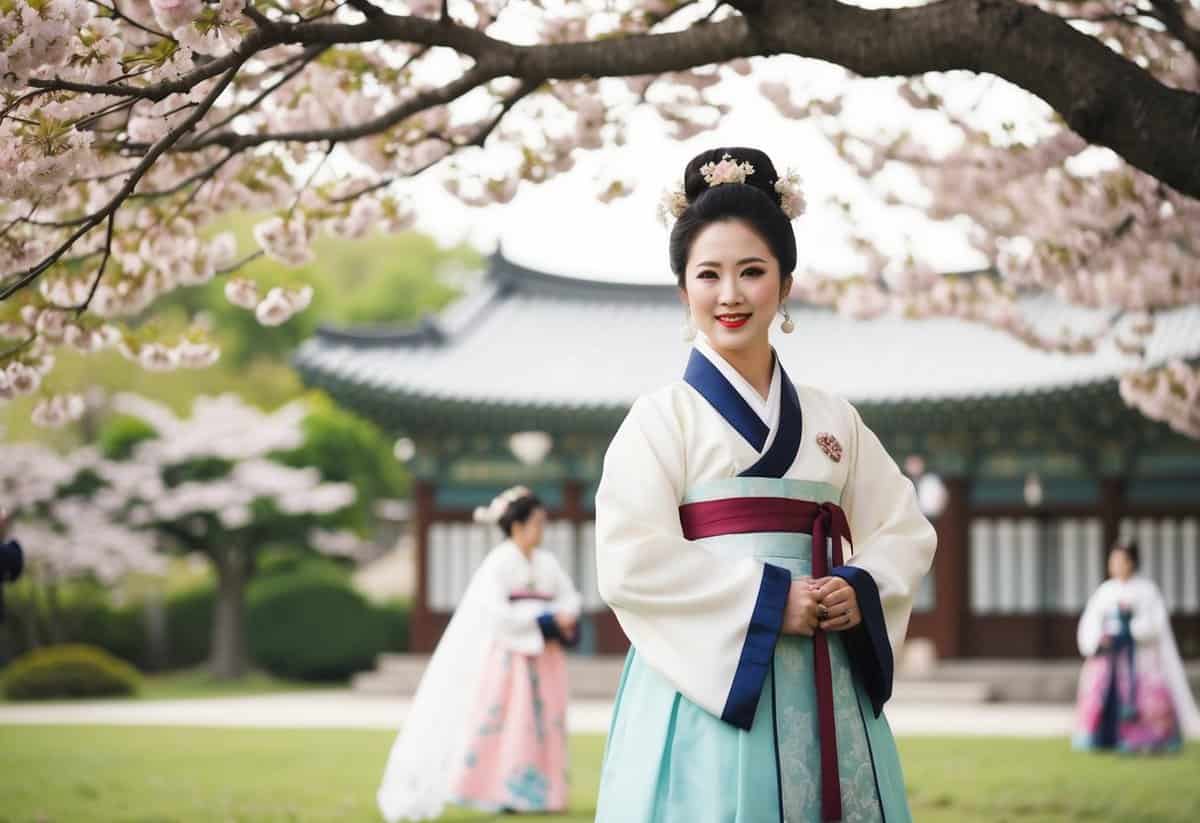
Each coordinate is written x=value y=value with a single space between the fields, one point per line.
x=540 y=341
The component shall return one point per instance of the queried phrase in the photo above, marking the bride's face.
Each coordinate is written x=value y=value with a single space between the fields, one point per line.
x=529 y=534
x=1120 y=565
x=732 y=286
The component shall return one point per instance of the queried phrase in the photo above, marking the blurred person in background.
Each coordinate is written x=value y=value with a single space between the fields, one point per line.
x=1133 y=690
x=487 y=728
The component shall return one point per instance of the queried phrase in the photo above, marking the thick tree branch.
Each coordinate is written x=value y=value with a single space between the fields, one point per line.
x=1103 y=97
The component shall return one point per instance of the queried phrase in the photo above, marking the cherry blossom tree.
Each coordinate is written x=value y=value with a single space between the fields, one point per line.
x=128 y=127
x=69 y=531
x=214 y=483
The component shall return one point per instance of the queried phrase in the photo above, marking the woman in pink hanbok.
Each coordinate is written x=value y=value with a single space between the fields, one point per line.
x=1133 y=691
x=487 y=727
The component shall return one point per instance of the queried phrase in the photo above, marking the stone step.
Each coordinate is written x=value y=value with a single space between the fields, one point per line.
x=939 y=692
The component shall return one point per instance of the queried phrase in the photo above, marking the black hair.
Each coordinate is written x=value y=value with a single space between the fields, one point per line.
x=755 y=202
x=1131 y=551
x=518 y=511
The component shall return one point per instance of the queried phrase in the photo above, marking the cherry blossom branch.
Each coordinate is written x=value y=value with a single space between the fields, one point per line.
x=302 y=61
x=23 y=279
x=434 y=97
x=108 y=239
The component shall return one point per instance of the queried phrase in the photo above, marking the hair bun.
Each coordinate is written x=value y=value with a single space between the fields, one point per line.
x=755 y=165
x=494 y=511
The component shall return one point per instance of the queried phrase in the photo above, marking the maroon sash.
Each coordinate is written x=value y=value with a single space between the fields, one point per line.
x=824 y=521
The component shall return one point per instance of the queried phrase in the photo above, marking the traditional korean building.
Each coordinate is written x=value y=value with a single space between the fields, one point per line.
x=1042 y=464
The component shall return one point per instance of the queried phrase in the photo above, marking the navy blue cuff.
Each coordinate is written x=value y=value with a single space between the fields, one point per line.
x=551 y=631
x=867 y=643
x=759 y=648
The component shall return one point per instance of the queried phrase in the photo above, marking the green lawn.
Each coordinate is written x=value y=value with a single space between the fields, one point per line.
x=191 y=683
x=156 y=775
x=199 y=683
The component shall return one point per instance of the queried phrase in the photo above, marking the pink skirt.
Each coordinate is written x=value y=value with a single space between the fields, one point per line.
x=1134 y=713
x=517 y=757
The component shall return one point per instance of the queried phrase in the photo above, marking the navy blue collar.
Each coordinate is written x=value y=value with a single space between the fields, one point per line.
x=707 y=379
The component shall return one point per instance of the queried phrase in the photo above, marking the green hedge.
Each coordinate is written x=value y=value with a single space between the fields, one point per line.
x=72 y=670
x=84 y=616
x=353 y=630
x=312 y=625
x=189 y=626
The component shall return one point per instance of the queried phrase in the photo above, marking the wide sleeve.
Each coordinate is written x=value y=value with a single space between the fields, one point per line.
x=1090 y=630
x=566 y=599
x=1150 y=617
x=566 y=596
x=708 y=625
x=893 y=549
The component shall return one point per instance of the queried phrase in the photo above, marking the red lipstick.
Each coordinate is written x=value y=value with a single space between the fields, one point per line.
x=733 y=321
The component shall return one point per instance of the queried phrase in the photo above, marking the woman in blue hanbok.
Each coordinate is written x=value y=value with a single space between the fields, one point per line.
x=1133 y=690
x=759 y=548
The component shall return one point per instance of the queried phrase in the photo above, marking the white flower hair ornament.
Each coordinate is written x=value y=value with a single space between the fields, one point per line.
x=791 y=198
x=492 y=512
x=727 y=171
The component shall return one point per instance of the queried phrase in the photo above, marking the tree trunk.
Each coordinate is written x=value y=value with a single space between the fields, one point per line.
x=229 y=658
x=154 y=617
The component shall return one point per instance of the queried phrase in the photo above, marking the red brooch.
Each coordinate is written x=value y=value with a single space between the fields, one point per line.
x=830 y=445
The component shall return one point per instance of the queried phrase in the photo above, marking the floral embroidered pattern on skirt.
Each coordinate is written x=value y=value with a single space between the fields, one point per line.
x=1129 y=709
x=517 y=758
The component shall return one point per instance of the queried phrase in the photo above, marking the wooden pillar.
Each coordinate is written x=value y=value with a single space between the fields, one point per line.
x=422 y=633
x=951 y=571
x=572 y=502
x=1112 y=507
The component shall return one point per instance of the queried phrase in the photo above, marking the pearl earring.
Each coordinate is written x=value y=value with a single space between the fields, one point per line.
x=688 y=329
x=787 y=326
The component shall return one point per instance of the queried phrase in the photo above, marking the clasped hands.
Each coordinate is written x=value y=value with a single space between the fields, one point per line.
x=567 y=623
x=826 y=603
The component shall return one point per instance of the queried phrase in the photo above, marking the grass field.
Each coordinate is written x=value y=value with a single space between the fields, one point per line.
x=171 y=775
x=199 y=683
x=190 y=683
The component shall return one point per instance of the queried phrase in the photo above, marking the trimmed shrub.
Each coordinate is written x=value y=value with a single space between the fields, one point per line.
x=314 y=626
x=80 y=617
x=189 y=626
x=69 y=671
x=395 y=615
x=121 y=631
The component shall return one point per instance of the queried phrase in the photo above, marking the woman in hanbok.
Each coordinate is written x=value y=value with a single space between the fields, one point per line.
x=759 y=547
x=1133 y=690
x=487 y=726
